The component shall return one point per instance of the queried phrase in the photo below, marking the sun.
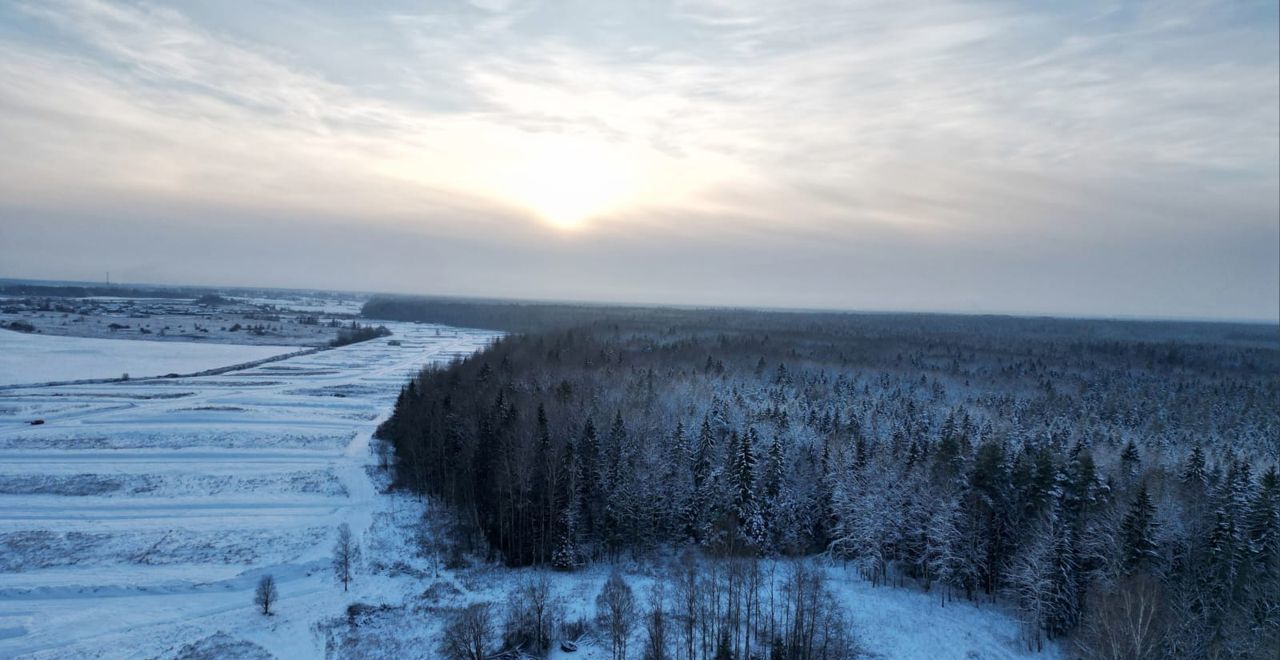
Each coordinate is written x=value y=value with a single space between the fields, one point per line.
x=567 y=182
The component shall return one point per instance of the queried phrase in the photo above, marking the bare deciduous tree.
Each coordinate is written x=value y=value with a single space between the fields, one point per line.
x=345 y=554
x=688 y=598
x=469 y=633
x=1124 y=623
x=656 y=623
x=265 y=595
x=616 y=611
x=532 y=615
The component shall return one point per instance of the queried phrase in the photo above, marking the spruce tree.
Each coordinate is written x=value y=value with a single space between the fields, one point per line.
x=565 y=554
x=1263 y=530
x=1137 y=534
x=1193 y=473
x=1130 y=460
x=588 y=473
x=700 y=510
x=776 y=470
x=1263 y=526
x=742 y=481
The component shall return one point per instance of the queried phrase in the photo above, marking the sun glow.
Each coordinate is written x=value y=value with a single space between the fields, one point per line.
x=567 y=182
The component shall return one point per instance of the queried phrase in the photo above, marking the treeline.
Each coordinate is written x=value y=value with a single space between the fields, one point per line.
x=1154 y=338
x=73 y=291
x=357 y=332
x=509 y=316
x=1060 y=466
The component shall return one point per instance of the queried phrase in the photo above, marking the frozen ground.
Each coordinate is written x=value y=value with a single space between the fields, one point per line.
x=136 y=520
x=39 y=358
x=292 y=321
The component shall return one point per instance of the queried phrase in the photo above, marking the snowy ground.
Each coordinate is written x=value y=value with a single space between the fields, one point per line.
x=136 y=521
x=39 y=358
x=138 y=518
x=279 y=321
x=407 y=603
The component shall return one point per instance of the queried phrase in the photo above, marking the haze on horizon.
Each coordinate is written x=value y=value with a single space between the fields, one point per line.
x=1094 y=158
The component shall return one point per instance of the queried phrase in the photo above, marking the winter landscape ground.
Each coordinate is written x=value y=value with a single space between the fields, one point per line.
x=31 y=358
x=136 y=520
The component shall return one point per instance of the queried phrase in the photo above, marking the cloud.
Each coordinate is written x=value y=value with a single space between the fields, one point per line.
x=1030 y=139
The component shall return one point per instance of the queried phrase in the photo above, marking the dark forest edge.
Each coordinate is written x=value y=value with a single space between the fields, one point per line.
x=525 y=317
x=1113 y=480
x=356 y=333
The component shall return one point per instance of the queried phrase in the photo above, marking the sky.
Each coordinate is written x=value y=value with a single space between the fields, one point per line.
x=1076 y=159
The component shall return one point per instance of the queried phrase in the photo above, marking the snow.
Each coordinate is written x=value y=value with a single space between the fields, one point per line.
x=39 y=358
x=137 y=520
x=906 y=623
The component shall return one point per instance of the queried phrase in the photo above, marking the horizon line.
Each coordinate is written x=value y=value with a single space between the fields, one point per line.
x=670 y=305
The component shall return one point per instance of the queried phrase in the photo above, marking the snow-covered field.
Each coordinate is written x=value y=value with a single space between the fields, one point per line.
x=138 y=518
x=40 y=358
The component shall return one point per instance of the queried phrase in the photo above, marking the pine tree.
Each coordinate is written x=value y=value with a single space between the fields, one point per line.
x=1225 y=569
x=1193 y=473
x=774 y=477
x=859 y=449
x=1137 y=532
x=1221 y=576
x=1081 y=495
x=566 y=555
x=776 y=470
x=1080 y=488
x=1263 y=529
x=989 y=505
x=675 y=487
x=701 y=509
x=947 y=460
x=1130 y=460
x=742 y=472
x=544 y=488
x=1263 y=526
x=588 y=477
x=621 y=523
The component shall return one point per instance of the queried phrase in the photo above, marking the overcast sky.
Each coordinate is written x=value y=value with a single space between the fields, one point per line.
x=1075 y=158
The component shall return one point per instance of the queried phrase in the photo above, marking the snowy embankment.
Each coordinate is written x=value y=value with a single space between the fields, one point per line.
x=39 y=358
x=137 y=519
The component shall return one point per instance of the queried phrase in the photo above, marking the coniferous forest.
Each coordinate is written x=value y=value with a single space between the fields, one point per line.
x=1114 y=482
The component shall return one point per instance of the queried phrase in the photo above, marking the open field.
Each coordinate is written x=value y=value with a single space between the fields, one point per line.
x=139 y=516
x=33 y=358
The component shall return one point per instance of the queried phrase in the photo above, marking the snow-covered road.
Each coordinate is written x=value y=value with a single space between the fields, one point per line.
x=140 y=515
